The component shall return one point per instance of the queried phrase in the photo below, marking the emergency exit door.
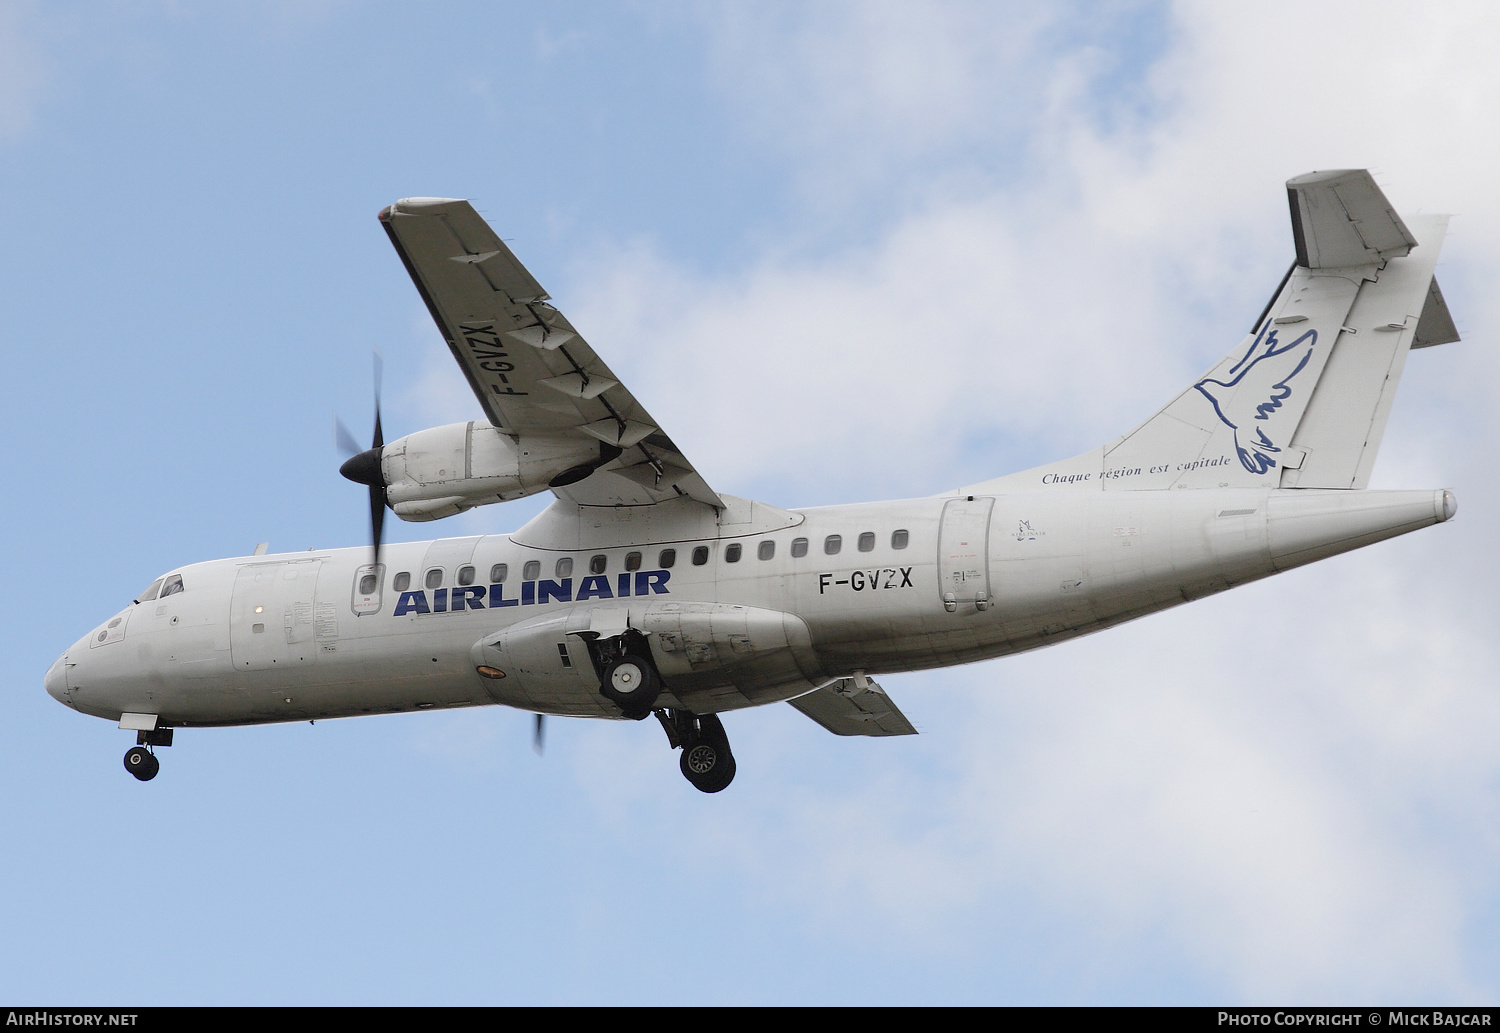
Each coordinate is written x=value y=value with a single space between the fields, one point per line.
x=964 y=554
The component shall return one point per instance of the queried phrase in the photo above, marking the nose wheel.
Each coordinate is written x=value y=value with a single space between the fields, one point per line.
x=706 y=760
x=142 y=763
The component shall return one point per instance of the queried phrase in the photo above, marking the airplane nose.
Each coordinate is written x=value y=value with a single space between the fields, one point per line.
x=57 y=679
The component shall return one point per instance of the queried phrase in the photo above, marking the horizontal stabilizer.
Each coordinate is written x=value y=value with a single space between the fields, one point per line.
x=1435 y=326
x=844 y=708
x=1341 y=218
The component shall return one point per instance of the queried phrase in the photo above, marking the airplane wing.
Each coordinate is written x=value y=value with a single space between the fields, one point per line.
x=530 y=369
x=844 y=708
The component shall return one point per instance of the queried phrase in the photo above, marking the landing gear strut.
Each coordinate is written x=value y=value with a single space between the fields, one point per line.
x=140 y=761
x=706 y=760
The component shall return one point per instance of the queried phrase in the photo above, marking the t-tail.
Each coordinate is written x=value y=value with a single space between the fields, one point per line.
x=1302 y=401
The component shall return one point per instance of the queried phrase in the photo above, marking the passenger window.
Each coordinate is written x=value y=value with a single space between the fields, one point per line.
x=832 y=544
x=666 y=559
x=367 y=583
x=466 y=575
x=632 y=561
x=150 y=593
x=867 y=541
x=597 y=564
x=799 y=546
x=564 y=567
x=171 y=586
x=434 y=578
x=498 y=572
x=732 y=553
x=899 y=539
x=700 y=555
x=766 y=549
x=401 y=582
x=532 y=571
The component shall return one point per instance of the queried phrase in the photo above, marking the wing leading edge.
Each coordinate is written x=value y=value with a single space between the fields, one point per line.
x=530 y=369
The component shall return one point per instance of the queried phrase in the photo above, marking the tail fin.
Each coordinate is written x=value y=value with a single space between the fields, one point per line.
x=1302 y=402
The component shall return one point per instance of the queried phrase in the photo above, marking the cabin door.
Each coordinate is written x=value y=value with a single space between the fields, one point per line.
x=272 y=618
x=964 y=554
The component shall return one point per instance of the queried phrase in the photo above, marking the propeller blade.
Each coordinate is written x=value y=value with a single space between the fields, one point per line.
x=538 y=733
x=344 y=440
x=364 y=466
x=377 y=520
x=377 y=487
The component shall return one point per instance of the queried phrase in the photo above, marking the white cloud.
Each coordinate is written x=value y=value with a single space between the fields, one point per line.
x=1287 y=791
x=1290 y=785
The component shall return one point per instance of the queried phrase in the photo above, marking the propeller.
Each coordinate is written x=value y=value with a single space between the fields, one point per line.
x=363 y=467
x=538 y=732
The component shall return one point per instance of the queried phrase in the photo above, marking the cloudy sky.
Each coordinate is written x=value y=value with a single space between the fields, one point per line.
x=843 y=252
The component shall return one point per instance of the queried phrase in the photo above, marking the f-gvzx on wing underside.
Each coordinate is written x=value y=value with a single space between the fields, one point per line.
x=558 y=416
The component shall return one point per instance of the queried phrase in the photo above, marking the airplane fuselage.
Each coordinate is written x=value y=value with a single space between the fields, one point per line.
x=757 y=606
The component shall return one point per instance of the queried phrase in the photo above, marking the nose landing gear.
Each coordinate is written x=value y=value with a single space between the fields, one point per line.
x=706 y=760
x=140 y=761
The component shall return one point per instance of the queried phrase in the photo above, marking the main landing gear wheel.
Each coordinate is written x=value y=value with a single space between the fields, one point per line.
x=706 y=761
x=631 y=682
x=141 y=763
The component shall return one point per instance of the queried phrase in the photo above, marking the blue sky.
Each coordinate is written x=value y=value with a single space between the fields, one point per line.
x=843 y=252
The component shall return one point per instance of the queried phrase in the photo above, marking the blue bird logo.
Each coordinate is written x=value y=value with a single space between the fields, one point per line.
x=1259 y=390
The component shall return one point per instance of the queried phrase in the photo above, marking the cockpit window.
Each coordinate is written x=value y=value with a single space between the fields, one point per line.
x=172 y=586
x=150 y=593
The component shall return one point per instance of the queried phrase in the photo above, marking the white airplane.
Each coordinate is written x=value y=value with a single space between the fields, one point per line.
x=642 y=591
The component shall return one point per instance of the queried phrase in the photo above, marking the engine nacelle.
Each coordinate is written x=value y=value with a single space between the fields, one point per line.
x=438 y=472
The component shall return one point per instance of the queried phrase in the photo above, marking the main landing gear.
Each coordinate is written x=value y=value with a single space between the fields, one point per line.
x=140 y=761
x=629 y=679
x=706 y=760
x=627 y=676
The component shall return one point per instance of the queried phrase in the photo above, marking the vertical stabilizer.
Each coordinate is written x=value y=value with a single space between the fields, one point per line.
x=1340 y=433
x=1303 y=400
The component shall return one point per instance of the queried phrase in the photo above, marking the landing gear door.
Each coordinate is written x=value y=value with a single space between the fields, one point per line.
x=964 y=554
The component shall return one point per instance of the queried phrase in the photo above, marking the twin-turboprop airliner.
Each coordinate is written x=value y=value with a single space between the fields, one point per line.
x=642 y=591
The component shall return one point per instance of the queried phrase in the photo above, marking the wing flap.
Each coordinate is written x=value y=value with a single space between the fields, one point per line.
x=846 y=708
